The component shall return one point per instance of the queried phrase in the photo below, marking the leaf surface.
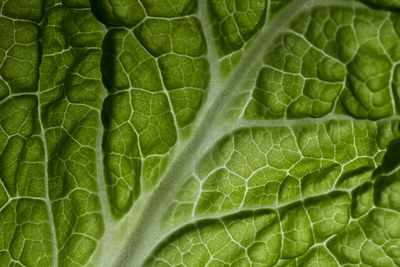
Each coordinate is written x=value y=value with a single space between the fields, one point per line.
x=199 y=133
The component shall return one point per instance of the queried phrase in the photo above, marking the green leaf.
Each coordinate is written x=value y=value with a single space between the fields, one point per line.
x=199 y=133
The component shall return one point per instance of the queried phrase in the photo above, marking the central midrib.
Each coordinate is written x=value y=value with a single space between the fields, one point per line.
x=147 y=233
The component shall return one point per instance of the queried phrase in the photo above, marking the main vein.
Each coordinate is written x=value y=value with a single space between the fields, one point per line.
x=148 y=231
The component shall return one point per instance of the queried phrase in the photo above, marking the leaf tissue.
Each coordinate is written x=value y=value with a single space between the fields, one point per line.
x=199 y=133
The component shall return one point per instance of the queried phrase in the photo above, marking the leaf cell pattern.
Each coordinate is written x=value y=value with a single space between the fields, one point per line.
x=24 y=221
x=351 y=55
x=118 y=145
x=71 y=94
x=50 y=210
x=323 y=178
x=156 y=74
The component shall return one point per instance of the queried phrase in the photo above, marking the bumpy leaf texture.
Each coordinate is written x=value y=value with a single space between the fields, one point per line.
x=199 y=133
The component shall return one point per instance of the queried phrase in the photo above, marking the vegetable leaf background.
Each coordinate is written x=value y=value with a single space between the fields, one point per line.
x=199 y=133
